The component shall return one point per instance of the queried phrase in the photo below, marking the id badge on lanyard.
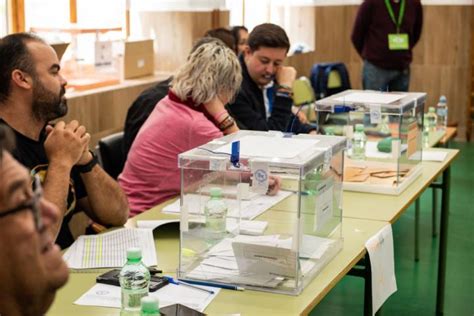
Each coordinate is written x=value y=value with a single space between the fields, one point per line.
x=397 y=41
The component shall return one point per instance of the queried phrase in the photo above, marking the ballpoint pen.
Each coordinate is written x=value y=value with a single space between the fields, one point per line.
x=220 y=285
x=179 y=282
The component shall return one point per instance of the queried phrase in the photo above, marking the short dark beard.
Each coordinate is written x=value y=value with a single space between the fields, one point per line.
x=46 y=105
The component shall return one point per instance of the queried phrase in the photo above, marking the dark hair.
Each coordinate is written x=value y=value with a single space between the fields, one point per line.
x=15 y=55
x=236 y=32
x=268 y=35
x=224 y=35
x=7 y=141
x=204 y=40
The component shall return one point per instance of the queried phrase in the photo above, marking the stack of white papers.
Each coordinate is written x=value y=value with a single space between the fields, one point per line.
x=109 y=296
x=248 y=209
x=434 y=155
x=109 y=250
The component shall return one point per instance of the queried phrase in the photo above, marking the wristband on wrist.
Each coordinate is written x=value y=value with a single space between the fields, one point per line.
x=226 y=123
x=283 y=87
x=284 y=94
x=218 y=116
x=88 y=166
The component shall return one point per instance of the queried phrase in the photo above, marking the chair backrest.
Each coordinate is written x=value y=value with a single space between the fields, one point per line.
x=302 y=92
x=329 y=78
x=111 y=154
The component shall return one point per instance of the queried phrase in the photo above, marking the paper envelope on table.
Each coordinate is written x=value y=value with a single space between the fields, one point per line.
x=265 y=259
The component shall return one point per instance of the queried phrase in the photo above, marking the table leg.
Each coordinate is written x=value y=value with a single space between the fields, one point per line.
x=433 y=211
x=367 y=287
x=362 y=269
x=417 y=225
x=443 y=241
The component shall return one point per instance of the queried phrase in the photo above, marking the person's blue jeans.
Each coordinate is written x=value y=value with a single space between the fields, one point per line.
x=376 y=78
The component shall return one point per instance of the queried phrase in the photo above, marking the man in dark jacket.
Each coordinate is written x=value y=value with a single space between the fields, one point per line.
x=264 y=100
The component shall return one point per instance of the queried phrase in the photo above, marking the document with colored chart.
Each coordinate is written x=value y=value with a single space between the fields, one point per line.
x=109 y=250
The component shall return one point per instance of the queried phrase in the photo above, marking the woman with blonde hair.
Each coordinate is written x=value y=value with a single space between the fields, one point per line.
x=191 y=115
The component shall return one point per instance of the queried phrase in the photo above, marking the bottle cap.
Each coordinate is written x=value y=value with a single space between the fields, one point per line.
x=442 y=99
x=216 y=192
x=134 y=253
x=150 y=304
x=431 y=109
x=359 y=127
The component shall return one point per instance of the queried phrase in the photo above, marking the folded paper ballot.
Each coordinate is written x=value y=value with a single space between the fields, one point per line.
x=262 y=259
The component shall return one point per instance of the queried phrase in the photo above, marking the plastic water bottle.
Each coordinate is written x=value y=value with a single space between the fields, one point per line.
x=215 y=212
x=358 y=143
x=150 y=306
x=384 y=126
x=134 y=282
x=430 y=120
x=442 y=112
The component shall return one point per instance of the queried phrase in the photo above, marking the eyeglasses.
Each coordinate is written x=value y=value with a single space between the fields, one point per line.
x=32 y=204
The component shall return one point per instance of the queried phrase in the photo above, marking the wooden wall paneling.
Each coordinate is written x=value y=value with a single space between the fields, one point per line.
x=354 y=64
x=16 y=16
x=445 y=35
x=333 y=29
x=220 y=19
x=73 y=11
x=175 y=33
x=302 y=63
x=104 y=112
x=470 y=108
x=440 y=59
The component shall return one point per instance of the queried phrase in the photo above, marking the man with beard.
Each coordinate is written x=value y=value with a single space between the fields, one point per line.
x=31 y=95
x=32 y=265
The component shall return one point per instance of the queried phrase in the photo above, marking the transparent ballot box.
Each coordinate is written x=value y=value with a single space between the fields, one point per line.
x=267 y=216
x=384 y=130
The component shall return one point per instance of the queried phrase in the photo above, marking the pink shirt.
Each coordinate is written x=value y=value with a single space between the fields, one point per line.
x=151 y=173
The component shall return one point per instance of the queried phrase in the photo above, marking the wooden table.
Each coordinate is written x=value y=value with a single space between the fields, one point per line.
x=389 y=208
x=355 y=233
x=364 y=215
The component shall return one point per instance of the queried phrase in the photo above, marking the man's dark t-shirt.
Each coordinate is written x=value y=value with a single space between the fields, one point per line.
x=32 y=155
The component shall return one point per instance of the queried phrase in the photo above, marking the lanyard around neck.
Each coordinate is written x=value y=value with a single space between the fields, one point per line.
x=401 y=13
